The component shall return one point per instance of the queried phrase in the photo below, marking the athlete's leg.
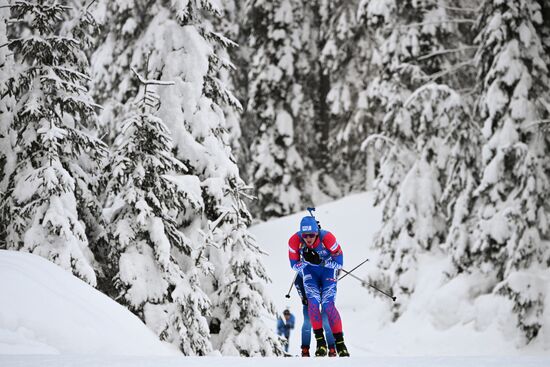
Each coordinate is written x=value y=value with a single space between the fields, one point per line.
x=328 y=332
x=312 y=285
x=306 y=328
x=328 y=297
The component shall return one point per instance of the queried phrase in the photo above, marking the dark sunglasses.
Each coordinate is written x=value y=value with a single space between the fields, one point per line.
x=309 y=235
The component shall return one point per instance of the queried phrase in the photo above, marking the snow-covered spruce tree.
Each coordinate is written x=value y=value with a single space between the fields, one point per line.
x=240 y=298
x=7 y=105
x=436 y=121
x=178 y=40
x=122 y=24
x=58 y=162
x=509 y=242
x=410 y=37
x=275 y=103
x=232 y=55
x=415 y=43
x=345 y=67
x=155 y=262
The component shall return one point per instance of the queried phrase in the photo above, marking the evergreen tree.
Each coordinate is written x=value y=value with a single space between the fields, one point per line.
x=180 y=42
x=512 y=199
x=275 y=105
x=50 y=196
x=418 y=118
x=7 y=105
x=346 y=67
x=441 y=172
x=240 y=298
x=232 y=71
x=157 y=269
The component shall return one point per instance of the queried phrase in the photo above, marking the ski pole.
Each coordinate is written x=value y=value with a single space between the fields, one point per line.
x=370 y=285
x=351 y=271
x=291 y=285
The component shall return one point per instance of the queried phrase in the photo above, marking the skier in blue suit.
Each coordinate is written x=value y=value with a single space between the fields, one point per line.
x=316 y=255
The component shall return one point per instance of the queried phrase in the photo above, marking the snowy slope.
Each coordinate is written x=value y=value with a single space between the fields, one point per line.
x=440 y=320
x=46 y=310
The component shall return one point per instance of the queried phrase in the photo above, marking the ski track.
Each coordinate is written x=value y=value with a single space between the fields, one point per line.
x=122 y=361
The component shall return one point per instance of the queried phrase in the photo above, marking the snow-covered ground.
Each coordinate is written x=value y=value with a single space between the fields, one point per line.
x=50 y=318
x=113 y=361
x=440 y=321
x=46 y=310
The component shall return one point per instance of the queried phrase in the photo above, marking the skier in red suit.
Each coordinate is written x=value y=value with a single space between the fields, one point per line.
x=316 y=254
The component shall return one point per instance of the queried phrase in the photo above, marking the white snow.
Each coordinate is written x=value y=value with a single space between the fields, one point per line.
x=45 y=310
x=442 y=319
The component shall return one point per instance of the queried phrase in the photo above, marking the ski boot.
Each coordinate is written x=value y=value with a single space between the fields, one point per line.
x=305 y=351
x=340 y=346
x=321 y=343
x=332 y=351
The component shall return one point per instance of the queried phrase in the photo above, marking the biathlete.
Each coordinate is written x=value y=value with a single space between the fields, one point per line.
x=316 y=254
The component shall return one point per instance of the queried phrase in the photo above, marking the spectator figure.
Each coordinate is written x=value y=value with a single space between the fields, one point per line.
x=284 y=325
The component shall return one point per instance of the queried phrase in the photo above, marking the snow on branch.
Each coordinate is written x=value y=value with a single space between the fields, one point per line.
x=89 y=5
x=432 y=86
x=373 y=137
x=464 y=9
x=453 y=69
x=150 y=81
x=446 y=51
x=421 y=24
x=537 y=122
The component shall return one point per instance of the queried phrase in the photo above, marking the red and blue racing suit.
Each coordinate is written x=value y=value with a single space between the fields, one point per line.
x=319 y=280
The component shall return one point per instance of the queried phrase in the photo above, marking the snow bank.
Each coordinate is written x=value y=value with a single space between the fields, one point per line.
x=46 y=310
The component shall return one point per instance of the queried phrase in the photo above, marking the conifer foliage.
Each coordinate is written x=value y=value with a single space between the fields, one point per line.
x=420 y=120
x=274 y=101
x=7 y=104
x=153 y=259
x=192 y=110
x=53 y=187
x=512 y=198
x=240 y=298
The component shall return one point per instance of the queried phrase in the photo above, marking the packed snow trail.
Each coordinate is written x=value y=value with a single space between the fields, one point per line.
x=99 y=361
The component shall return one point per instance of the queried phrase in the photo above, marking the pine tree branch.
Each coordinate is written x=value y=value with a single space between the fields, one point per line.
x=464 y=9
x=150 y=81
x=537 y=122
x=410 y=25
x=442 y=52
x=373 y=137
x=453 y=69
x=90 y=4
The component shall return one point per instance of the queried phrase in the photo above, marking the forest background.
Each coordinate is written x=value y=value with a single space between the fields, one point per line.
x=135 y=133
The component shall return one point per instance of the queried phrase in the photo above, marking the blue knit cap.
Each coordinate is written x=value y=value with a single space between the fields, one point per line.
x=308 y=225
